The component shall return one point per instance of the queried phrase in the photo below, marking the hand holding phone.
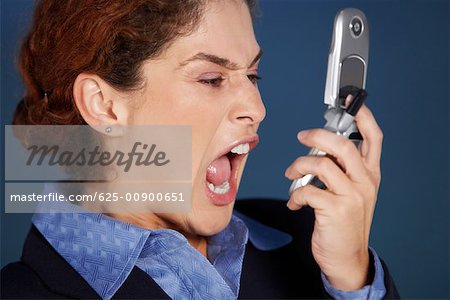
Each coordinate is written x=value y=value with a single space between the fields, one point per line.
x=346 y=81
x=343 y=212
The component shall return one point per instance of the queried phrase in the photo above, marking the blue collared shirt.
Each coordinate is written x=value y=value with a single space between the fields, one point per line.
x=104 y=250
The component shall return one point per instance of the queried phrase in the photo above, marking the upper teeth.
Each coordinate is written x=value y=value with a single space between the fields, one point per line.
x=241 y=149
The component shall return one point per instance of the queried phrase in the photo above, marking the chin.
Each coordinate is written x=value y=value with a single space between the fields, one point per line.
x=208 y=219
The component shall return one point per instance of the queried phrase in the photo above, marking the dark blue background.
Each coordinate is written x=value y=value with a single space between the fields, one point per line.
x=408 y=85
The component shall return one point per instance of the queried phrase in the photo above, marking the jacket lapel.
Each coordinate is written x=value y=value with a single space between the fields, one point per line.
x=60 y=278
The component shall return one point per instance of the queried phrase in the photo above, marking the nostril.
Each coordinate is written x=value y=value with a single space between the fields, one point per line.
x=248 y=110
x=245 y=118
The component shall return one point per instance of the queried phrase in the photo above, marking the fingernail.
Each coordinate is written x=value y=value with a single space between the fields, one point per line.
x=302 y=134
x=286 y=173
x=288 y=204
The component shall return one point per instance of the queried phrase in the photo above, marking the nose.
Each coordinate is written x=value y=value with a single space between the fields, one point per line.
x=248 y=107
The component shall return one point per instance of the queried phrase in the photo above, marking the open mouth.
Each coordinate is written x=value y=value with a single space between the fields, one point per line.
x=222 y=173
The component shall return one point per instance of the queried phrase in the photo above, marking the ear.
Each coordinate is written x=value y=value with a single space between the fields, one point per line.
x=100 y=105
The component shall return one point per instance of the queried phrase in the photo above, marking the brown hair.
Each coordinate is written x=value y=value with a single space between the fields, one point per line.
x=109 y=38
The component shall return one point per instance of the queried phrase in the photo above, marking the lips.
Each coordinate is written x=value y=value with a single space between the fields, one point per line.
x=222 y=173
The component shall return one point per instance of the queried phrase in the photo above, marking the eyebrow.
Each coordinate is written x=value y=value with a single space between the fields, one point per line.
x=224 y=62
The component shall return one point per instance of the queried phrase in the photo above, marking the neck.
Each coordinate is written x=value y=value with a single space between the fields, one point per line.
x=152 y=221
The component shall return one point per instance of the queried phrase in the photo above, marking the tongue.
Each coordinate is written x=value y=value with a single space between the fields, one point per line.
x=219 y=171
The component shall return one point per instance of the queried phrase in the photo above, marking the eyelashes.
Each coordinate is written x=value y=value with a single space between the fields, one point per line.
x=213 y=82
x=254 y=78
x=217 y=81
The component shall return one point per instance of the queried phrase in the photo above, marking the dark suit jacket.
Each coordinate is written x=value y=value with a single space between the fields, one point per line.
x=288 y=272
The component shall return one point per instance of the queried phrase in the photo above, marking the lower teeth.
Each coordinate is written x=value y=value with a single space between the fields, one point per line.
x=221 y=189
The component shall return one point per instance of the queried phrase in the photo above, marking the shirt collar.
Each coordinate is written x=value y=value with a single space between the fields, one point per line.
x=104 y=250
x=263 y=237
x=101 y=249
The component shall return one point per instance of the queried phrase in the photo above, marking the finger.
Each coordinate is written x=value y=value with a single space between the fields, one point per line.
x=348 y=100
x=339 y=147
x=322 y=167
x=372 y=134
x=312 y=196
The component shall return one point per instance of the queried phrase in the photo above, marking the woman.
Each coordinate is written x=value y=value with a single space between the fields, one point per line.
x=106 y=63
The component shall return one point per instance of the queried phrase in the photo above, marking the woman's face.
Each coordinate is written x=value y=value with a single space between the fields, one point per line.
x=208 y=80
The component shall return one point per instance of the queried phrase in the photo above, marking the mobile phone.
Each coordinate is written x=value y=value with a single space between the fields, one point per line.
x=346 y=81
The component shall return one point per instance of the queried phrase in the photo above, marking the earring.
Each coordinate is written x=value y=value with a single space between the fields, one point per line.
x=108 y=129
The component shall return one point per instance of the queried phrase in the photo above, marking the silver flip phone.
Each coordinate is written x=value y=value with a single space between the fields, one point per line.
x=346 y=80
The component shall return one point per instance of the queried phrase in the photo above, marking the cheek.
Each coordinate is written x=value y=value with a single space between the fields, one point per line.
x=186 y=103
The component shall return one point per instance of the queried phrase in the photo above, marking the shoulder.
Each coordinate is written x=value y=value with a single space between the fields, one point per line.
x=43 y=273
x=19 y=281
x=291 y=270
x=274 y=213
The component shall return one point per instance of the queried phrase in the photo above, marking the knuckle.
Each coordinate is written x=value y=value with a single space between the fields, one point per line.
x=297 y=163
x=375 y=187
x=313 y=133
x=348 y=148
x=374 y=175
x=379 y=135
x=302 y=194
x=307 y=190
x=320 y=134
x=298 y=196
x=377 y=176
x=324 y=164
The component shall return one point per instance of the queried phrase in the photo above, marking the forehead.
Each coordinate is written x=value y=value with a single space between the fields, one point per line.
x=225 y=30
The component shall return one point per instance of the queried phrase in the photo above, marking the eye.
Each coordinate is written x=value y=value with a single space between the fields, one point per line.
x=214 y=82
x=254 y=78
